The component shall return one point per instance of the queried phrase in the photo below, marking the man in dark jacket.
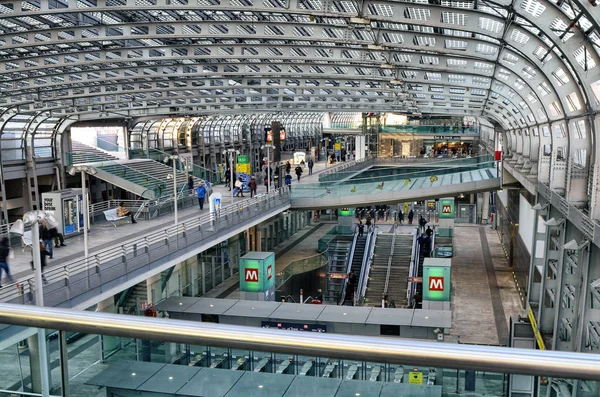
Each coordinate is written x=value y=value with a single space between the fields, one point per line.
x=252 y=186
x=46 y=236
x=310 y=164
x=4 y=250
x=298 y=172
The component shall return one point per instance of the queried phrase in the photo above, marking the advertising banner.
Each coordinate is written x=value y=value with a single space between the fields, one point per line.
x=242 y=169
x=436 y=279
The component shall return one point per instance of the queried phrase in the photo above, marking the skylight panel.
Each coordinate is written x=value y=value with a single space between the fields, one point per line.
x=510 y=58
x=456 y=44
x=402 y=58
x=540 y=53
x=478 y=92
x=519 y=37
x=558 y=26
x=483 y=66
x=529 y=72
x=457 y=90
x=430 y=60
x=560 y=76
x=456 y=33
x=584 y=59
x=533 y=7
x=456 y=63
x=486 y=49
x=421 y=14
x=433 y=76
x=491 y=25
x=456 y=78
x=519 y=84
x=425 y=41
x=454 y=18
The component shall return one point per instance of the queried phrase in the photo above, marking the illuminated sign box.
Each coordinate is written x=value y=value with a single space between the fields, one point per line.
x=446 y=208
x=257 y=271
x=436 y=279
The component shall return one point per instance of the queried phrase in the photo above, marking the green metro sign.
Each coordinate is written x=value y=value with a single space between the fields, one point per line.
x=446 y=208
x=436 y=279
x=257 y=271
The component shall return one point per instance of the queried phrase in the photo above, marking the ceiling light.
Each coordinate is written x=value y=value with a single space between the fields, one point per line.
x=360 y=21
x=376 y=47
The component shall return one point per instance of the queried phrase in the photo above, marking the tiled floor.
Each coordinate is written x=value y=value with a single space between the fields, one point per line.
x=474 y=317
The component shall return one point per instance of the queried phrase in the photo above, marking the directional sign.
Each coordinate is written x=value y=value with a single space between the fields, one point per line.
x=415 y=279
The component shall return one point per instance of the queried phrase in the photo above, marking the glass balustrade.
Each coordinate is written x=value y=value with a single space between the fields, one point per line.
x=97 y=363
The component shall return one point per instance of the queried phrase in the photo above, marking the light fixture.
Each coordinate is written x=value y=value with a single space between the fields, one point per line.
x=375 y=47
x=387 y=66
x=539 y=207
x=360 y=21
x=554 y=222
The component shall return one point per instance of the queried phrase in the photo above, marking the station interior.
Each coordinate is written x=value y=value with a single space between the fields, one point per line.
x=286 y=198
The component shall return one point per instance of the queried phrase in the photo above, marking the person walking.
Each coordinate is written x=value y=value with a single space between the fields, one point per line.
x=288 y=167
x=400 y=216
x=201 y=191
x=43 y=254
x=288 y=181
x=361 y=229
x=368 y=222
x=411 y=215
x=190 y=185
x=228 y=178
x=46 y=237
x=429 y=231
x=298 y=172
x=422 y=223
x=4 y=251
x=252 y=186
x=310 y=164
x=239 y=185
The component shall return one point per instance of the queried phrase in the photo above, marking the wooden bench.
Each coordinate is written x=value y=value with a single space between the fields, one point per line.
x=112 y=217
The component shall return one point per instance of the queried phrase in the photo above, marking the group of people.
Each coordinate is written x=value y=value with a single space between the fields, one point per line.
x=424 y=242
x=50 y=238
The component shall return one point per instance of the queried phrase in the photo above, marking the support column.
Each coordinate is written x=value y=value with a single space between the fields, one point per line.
x=35 y=363
x=64 y=362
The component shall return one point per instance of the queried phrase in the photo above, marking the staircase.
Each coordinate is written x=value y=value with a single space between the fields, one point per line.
x=146 y=178
x=378 y=272
x=398 y=281
x=82 y=153
x=139 y=294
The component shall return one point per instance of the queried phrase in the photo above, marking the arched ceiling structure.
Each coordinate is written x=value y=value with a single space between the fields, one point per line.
x=521 y=63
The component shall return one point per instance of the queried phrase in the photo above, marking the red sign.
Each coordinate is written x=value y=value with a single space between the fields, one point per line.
x=269 y=272
x=436 y=283
x=446 y=209
x=251 y=276
x=497 y=155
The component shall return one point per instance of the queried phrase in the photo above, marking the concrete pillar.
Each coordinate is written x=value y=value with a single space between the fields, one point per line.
x=486 y=207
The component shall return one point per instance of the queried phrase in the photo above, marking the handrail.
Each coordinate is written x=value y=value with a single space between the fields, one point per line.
x=414 y=269
x=114 y=257
x=389 y=267
x=349 y=266
x=341 y=167
x=366 y=265
x=548 y=363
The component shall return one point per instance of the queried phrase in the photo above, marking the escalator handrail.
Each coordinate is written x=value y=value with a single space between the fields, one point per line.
x=414 y=269
x=389 y=267
x=348 y=267
x=366 y=264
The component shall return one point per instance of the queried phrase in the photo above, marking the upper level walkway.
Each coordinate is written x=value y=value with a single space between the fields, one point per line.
x=124 y=256
x=415 y=180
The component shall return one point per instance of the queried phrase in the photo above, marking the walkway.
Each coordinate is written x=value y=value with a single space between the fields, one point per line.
x=484 y=295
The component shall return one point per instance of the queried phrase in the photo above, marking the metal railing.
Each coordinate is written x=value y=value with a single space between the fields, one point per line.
x=389 y=267
x=413 y=270
x=366 y=267
x=348 y=267
x=546 y=363
x=336 y=169
x=110 y=264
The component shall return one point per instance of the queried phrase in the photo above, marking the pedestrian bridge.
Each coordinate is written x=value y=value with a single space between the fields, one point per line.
x=80 y=283
x=388 y=184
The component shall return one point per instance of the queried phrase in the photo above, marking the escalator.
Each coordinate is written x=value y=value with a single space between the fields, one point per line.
x=378 y=270
x=356 y=264
x=418 y=258
x=399 y=269
x=338 y=254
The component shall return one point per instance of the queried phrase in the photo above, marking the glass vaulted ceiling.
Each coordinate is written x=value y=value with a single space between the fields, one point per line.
x=519 y=63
